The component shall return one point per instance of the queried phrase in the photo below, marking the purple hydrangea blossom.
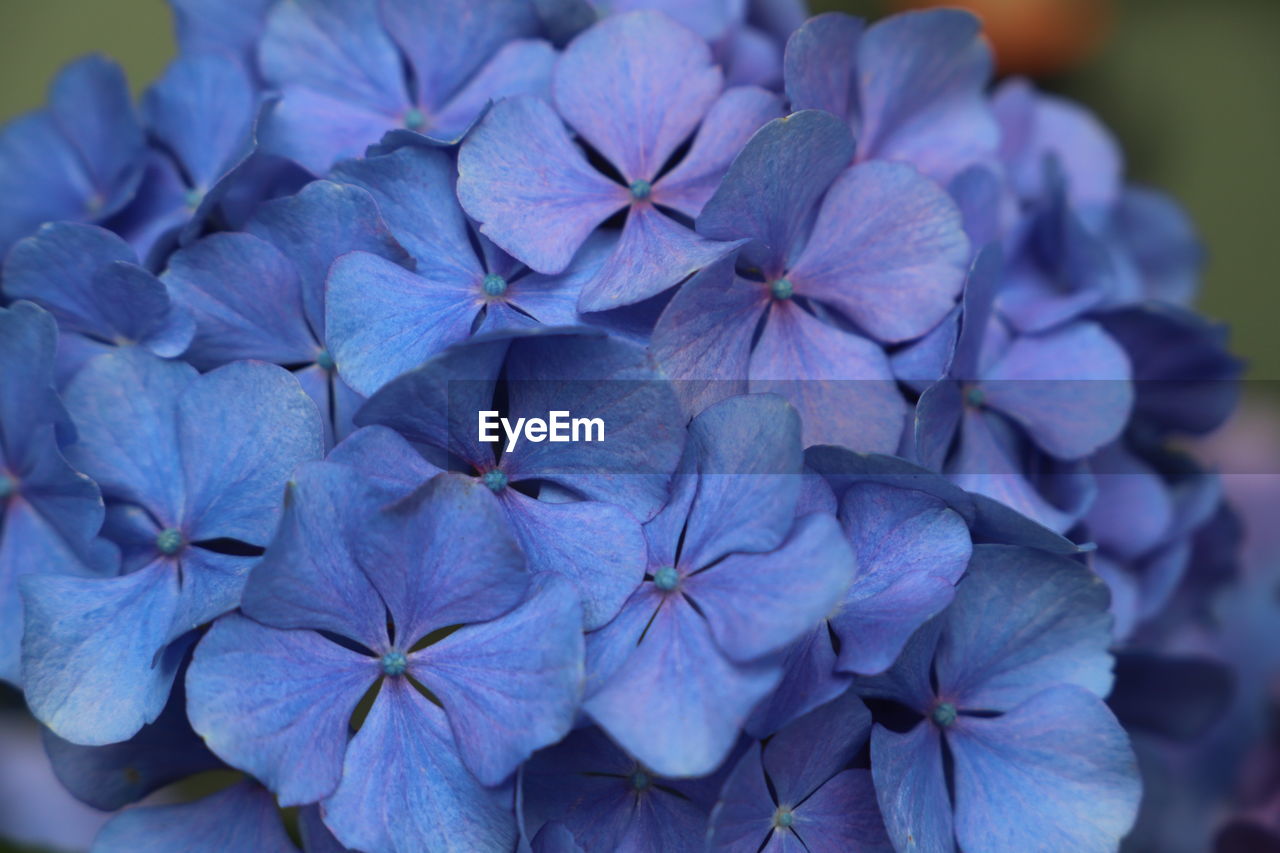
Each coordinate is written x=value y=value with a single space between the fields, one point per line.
x=885 y=251
x=80 y=158
x=476 y=662
x=1037 y=757
x=634 y=87
x=49 y=513
x=191 y=467
x=699 y=641
x=340 y=69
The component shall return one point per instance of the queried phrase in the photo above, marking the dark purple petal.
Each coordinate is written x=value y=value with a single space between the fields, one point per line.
x=277 y=704
x=242 y=817
x=888 y=250
x=635 y=86
x=809 y=680
x=773 y=184
x=1023 y=620
x=911 y=788
x=820 y=65
x=1057 y=771
x=840 y=382
x=744 y=815
x=843 y=815
x=512 y=685
x=803 y=756
x=522 y=178
x=594 y=376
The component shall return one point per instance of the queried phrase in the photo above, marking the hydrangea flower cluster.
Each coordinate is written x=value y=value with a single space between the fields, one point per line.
x=890 y=363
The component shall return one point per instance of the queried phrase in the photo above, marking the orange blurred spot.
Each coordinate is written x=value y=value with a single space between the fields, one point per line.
x=1035 y=36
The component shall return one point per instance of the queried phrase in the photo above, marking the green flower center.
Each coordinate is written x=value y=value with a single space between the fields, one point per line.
x=944 y=714
x=169 y=541
x=394 y=663
x=414 y=119
x=495 y=480
x=494 y=285
x=666 y=578
x=782 y=289
x=640 y=190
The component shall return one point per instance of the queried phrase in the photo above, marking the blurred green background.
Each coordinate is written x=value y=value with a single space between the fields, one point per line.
x=1192 y=88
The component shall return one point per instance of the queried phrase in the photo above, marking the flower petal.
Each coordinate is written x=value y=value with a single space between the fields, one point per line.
x=404 y=788
x=802 y=757
x=842 y=815
x=911 y=788
x=654 y=253
x=246 y=298
x=732 y=119
x=510 y=686
x=320 y=222
x=597 y=547
x=441 y=557
x=774 y=183
x=635 y=86
x=94 y=659
x=840 y=382
x=242 y=817
x=677 y=704
x=534 y=194
x=243 y=429
x=888 y=250
x=756 y=604
x=277 y=704
x=1053 y=628
x=383 y=320
x=1057 y=771
x=308 y=577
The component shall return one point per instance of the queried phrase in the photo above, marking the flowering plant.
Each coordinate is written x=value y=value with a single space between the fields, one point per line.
x=881 y=545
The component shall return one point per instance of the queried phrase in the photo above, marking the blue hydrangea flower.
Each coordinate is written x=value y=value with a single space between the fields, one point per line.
x=635 y=88
x=80 y=158
x=201 y=115
x=1019 y=402
x=603 y=799
x=912 y=87
x=340 y=68
x=260 y=294
x=885 y=250
x=798 y=791
x=89 y=279
x=49 y=513
x=383 y=319
x=911 y=546
x=474 y=661
x=242 y=817
x=192 y=468
x=1011 y=678
x=733 y=578
x=574 y=507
